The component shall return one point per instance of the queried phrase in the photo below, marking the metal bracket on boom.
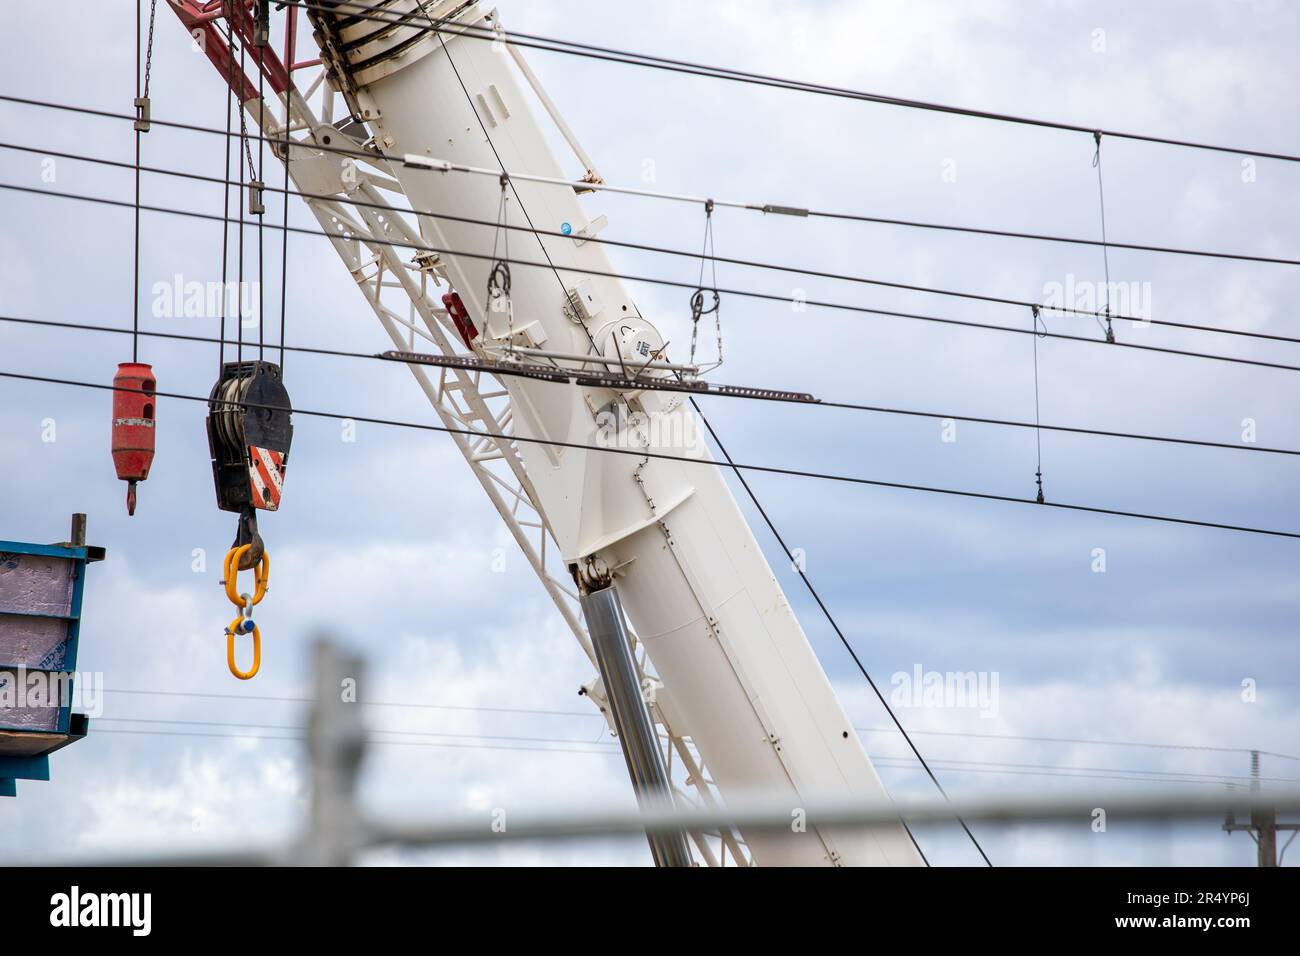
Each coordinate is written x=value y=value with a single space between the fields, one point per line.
x=590 y=379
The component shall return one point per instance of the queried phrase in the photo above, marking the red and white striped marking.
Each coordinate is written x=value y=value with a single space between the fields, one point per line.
x=266 y=475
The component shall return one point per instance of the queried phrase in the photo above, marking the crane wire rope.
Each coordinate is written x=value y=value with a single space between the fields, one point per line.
x=225 y=205
x=261 y=214
x=141 y=124
x=290 y=41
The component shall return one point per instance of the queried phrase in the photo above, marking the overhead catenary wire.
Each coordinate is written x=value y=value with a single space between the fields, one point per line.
x=376 y=156
x=750 y=395
x=1087 y=741
x=444 y=166
x=764 y=208
x=745 y=293
x=594 y=715
x=646 y=453
x=569 y=745
x=560 y=45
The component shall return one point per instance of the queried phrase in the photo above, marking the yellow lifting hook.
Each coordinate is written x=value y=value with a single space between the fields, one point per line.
x=243 y=623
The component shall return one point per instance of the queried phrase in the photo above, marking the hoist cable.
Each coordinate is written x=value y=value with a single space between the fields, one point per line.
x=243 y=144
x=745 y=293
x=645 y=453
x=261 y=216
x=773 y=396
x=135 y=313
x=141 y=125
x=289 y=45
x=225 y=204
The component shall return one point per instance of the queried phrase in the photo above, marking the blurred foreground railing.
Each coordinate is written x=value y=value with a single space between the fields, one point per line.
x=337 y=832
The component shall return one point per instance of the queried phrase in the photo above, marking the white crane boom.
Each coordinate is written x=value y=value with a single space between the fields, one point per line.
x=736 y=676
x=739 y=675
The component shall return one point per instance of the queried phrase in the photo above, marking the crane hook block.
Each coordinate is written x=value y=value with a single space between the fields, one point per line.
x=134 y=404
x=249 y=432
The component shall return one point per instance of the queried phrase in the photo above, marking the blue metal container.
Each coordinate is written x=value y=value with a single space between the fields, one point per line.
x=41 y=588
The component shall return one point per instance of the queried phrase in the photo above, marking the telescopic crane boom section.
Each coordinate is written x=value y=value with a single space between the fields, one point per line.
x=739 y=701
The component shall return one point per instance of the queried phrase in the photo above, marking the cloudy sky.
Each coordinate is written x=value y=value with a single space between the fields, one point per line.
x=389 y=541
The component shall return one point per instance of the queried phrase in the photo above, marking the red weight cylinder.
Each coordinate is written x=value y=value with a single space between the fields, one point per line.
x=134 y=407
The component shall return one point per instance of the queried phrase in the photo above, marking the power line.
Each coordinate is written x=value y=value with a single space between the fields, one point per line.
x=1083 y=740
x=746 y=293
x=557 y=45
x=592 y=714
x=378 y=730
x=395 y=743
x=414 y=161
x=749 y=395
x=764 y=208
x=600 y=748
x=1050 y=771
x=364 y=703
x=646 y=453
x=683 y=253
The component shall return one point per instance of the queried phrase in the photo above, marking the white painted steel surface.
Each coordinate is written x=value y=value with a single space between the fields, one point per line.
x=740 y=677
